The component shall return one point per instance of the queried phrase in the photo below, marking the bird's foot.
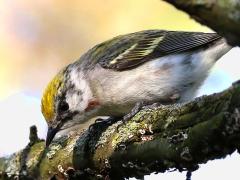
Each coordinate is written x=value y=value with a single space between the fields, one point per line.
x=100 y=122
x=138 y=106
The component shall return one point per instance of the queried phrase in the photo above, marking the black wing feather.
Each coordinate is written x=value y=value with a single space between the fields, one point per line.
x=128 y=51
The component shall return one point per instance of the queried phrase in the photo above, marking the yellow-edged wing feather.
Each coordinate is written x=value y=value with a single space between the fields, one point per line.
x=128 y=51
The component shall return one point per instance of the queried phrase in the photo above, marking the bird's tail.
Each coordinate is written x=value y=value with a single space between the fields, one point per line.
x=218 y=49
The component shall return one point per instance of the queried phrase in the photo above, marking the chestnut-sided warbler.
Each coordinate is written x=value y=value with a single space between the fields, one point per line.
x=148 y=66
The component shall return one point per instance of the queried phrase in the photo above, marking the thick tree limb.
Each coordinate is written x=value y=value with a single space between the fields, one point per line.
x=222 y=16
x=157 y=139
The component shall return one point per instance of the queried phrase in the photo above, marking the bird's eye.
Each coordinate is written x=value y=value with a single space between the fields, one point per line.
x=63 y=106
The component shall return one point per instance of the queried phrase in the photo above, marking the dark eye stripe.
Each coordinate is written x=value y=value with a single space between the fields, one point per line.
x=63 y=106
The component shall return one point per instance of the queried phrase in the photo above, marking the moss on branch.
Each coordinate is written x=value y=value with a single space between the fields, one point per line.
x=157 y=139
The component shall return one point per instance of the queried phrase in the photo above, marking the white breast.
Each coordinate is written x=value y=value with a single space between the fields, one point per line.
x=157 y=80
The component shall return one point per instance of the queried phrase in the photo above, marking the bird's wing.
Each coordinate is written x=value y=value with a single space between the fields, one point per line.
x=128 y=51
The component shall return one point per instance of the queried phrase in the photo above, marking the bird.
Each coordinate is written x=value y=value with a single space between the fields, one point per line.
x=115 y=76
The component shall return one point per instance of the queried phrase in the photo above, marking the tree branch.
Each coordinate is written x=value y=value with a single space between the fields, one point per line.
x=223 y=16
x=157 y=139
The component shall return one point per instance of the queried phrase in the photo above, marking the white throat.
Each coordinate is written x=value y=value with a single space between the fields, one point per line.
x=79 y=94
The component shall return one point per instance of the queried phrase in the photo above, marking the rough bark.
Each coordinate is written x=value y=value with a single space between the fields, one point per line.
x=223 y=16
x=157 y=139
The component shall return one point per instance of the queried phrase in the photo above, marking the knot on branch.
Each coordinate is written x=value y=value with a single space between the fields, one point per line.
x=233 y=122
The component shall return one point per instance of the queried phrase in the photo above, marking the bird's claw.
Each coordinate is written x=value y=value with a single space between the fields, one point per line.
x=138 y=106
x=102 y=122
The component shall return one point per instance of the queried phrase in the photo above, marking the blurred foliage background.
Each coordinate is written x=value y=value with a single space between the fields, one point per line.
x=38 y=37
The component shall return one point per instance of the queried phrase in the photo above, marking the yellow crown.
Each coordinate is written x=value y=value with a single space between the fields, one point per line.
x=49 y=95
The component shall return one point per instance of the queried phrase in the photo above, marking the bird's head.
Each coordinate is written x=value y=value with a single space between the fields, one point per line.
x=67 y=101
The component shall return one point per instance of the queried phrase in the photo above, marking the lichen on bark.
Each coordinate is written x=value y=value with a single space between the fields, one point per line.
x=158 y=138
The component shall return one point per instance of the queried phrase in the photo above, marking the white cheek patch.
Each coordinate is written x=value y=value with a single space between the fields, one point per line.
x=78 y=97
x=73 y=100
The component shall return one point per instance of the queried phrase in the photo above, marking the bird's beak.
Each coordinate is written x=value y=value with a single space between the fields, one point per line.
x=52 y=131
